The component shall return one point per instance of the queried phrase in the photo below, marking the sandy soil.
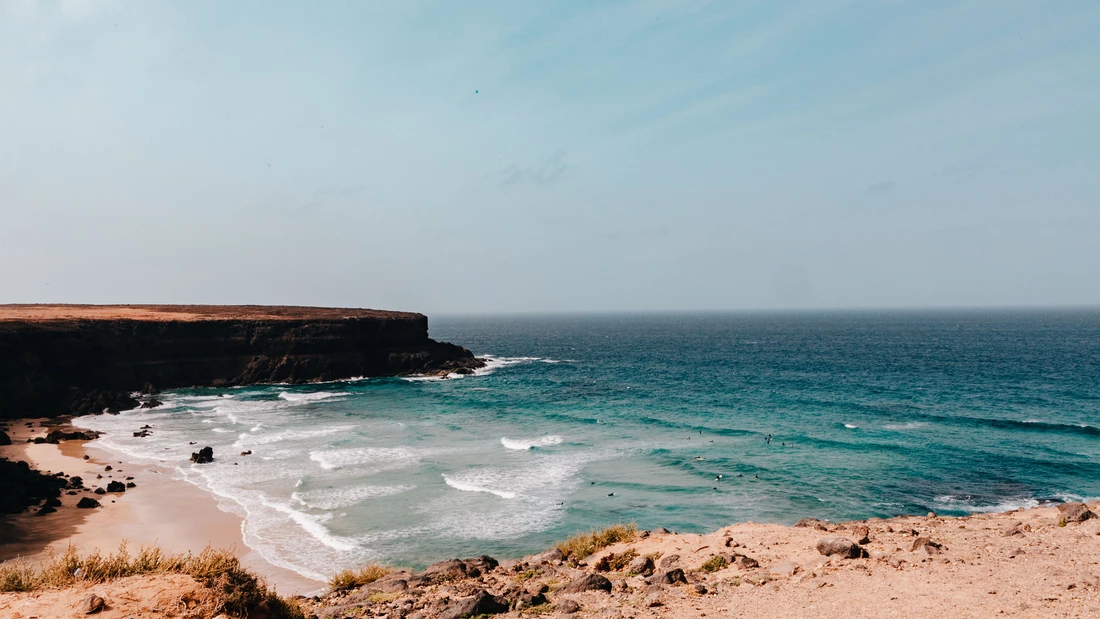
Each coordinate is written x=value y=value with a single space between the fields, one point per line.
x=41 y=313
x=136 y=597
x=161 y=510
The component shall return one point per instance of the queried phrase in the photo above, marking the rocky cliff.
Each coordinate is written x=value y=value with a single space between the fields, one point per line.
x=57 y=359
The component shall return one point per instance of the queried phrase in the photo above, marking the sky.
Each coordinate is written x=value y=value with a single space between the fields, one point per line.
x=504 y=157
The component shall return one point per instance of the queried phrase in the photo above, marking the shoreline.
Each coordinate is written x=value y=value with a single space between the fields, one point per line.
x=179 y=516
x=162 y=510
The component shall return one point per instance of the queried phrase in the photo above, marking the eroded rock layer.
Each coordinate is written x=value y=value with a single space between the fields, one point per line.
x=57 y=359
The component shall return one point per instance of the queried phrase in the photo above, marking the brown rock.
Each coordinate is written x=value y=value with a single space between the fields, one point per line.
x=480 y=603
x=589 y=582
x=568 y=606
x=929 y=546
x=811 y=523
x=862 y=534
x=838 y=546
x=641 y=565
x=1075 y=512
x=91 y=605
x=669 y=561
x=669 y=577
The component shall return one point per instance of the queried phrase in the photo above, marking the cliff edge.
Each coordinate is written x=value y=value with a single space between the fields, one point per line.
x=57 y=359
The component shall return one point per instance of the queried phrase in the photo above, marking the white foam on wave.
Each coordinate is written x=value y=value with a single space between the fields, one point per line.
x=524 y=444
x=312 y=397
x=471 y=487
x=337 y=498
x=381 y=458
x=912 y=425
x=221 y=430
x=851 y=426
x=963 y=503
x=314 y=525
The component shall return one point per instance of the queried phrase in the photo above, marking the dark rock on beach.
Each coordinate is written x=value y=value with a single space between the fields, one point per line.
x=203 y=456
x=22 y=487
x=4 y=438
x=116 y=486
x=87 y=502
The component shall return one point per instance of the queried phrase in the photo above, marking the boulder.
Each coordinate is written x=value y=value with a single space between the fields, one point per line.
x=91 y=605
x=670 y=577
x=4 y=438
x=930 y=547
x=1075 y=512
x=568 y=606
x=527 y=599
x=451 y=569
x=116 y=486
x=99 y=491
x=838 y=546
x=131 y=484
x=151 y=403
x=87 y=502
x=204 y=455
x=480 y=565
x=588 y=582
x=669 y=561
x=480 y=603
x=862 y=534
x=744 y=562
x=45 y=509
x=641 y=565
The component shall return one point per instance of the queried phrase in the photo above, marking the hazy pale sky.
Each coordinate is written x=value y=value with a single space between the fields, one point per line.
x=509 y=156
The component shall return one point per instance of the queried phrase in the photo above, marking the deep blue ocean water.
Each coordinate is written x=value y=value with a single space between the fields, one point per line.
x=590 y=420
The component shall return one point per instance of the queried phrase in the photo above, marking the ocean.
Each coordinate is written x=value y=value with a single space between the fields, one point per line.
x=690 y=422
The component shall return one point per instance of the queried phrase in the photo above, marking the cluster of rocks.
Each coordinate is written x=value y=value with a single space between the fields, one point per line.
x=57 y=435
x=536 y=584
x=22 y=487
x=203 y=456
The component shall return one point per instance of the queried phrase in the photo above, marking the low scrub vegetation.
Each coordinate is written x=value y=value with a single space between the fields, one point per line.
x=350 y=579
x=234 y=589
x=581 y=545
x=715 y=563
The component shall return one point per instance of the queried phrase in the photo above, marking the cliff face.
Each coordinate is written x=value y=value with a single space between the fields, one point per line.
x=80 y=359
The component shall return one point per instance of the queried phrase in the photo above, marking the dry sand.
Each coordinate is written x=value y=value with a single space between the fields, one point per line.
x=171 y=513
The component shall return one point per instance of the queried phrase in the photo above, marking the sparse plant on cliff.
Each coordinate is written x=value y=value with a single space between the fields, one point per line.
x=715 y=563
x=350 y=579
x=235 y=590
x=581 y=545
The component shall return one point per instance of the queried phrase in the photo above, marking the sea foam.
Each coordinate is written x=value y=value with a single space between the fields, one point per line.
x=523 y=444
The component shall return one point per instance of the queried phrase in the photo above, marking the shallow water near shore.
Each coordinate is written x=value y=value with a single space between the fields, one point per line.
x=584 y=421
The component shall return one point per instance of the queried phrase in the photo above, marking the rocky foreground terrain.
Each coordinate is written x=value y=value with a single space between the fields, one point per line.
x=1034 y=563
x=1040 y=562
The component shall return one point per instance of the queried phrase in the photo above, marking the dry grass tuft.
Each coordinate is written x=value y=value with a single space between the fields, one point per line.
x=350 y=579
x=236 y=590
x=715 y=563
x=581 y=545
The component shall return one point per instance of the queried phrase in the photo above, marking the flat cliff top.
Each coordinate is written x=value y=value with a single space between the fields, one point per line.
x=187 y=313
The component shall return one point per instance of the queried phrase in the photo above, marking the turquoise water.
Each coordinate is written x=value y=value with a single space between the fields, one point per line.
x=582 y=421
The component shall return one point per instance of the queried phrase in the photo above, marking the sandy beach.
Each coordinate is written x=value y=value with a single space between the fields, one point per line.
x=171 y=513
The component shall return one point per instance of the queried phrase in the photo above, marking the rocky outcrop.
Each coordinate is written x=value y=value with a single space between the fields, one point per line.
x=22 y=487
x=203 y=456
x=88 y=359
